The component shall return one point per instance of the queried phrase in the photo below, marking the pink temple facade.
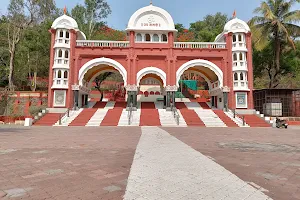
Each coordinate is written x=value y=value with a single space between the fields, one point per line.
x=151 y=55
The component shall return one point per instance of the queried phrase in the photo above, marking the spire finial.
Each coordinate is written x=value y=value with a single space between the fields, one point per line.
x=151 y=2
x=234 y=14
x=65 y=10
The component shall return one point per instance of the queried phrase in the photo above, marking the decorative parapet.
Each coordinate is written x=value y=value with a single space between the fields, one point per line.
x=94 y=43
x=131 y=88
x=200 y=45
x=172 y=88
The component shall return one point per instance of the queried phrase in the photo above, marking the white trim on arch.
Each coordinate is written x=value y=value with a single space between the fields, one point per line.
x=151 y=70
x=200 y=62
x=102 y=61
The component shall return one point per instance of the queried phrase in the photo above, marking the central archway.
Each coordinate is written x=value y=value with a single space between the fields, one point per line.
x=151 y=70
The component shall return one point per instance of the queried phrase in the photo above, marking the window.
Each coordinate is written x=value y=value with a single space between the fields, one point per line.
x=234 y=57
x=61 y=34
x=241 y=56
x=67 y=34
x=155 y=38
x=164 y=38
x=60 y=53
x=65 y=74
x=241 y=76
x=59 y=74
x=234 y=38
x=66 y=54
x=236 y=78
x=139 y=37
x=240 y=38
x=147 y=38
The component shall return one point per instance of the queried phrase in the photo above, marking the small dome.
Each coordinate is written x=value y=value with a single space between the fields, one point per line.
x=236 y=25
x=65 y=22
x=151 y=18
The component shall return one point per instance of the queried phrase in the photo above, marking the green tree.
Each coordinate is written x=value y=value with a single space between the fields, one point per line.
x=208 y=29
x=22 y=14
x=4 y=53
x=277 y=23
x=90 y=16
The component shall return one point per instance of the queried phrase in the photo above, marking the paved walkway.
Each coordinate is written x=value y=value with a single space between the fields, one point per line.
x=166 y=168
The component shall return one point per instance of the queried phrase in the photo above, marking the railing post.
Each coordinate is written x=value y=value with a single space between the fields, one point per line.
x=60 y=116
x=234 y=113
x=243 y=120
x=68 y=112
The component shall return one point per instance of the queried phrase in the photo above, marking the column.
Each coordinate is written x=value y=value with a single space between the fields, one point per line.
x=86 y=99
x=76 y=95
x=225 y=95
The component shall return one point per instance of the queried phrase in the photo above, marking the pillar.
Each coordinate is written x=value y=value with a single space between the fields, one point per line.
x=225 y=95
x=76 y=96
x=132 y=91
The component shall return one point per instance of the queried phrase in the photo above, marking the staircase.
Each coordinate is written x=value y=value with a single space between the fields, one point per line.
x=100 y=104
x=149 y=115
x=84 y=117
x=225 y=118
x=190 y=116
x=73 y=114
x=49 y=119
x=209 y=118
x=113 y=115
x=135 y=118
x=204 y=105
x=97 y=118
x=255 y=121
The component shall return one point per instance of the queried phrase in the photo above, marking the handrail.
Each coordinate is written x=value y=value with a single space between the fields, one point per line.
x=235 y=116
x=175 y=113
x=62 y=115
x=130 y=114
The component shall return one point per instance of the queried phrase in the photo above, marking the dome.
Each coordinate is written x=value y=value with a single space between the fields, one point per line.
x=65 y=22
x=236 y=25
x=151 y=18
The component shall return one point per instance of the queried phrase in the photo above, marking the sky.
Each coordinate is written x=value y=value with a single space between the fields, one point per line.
x=182 y=11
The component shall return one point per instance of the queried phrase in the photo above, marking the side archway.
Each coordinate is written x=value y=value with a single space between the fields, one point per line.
x=202 y=63
x=151 y=70
x=102 y=61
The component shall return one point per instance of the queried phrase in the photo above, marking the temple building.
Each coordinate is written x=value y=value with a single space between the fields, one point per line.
x=152 y=64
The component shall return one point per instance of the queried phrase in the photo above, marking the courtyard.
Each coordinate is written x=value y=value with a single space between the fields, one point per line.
x=149 y=163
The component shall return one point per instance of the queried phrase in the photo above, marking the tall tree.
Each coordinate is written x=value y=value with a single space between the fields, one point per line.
x=90 y=16
x=22 y=14
x=208 y=29
x=275 y=22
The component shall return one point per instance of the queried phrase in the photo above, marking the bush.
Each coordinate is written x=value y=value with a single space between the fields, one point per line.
x=34 y=110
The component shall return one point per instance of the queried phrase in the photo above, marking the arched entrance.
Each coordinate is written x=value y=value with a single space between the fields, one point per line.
x=150 y=82
x=101 y=76
x=201 y=79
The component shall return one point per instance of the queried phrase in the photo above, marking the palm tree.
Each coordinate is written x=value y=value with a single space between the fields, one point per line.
x=276 y=23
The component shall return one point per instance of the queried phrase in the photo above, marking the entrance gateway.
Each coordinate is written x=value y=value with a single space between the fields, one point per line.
x=151 y=63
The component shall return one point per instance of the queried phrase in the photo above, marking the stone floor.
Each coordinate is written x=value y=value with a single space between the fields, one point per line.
x=167 y=163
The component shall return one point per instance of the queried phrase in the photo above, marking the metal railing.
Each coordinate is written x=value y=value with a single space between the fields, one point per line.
x=175 y=113
x=130 y=114
x=67 y=114
x=235 y=116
